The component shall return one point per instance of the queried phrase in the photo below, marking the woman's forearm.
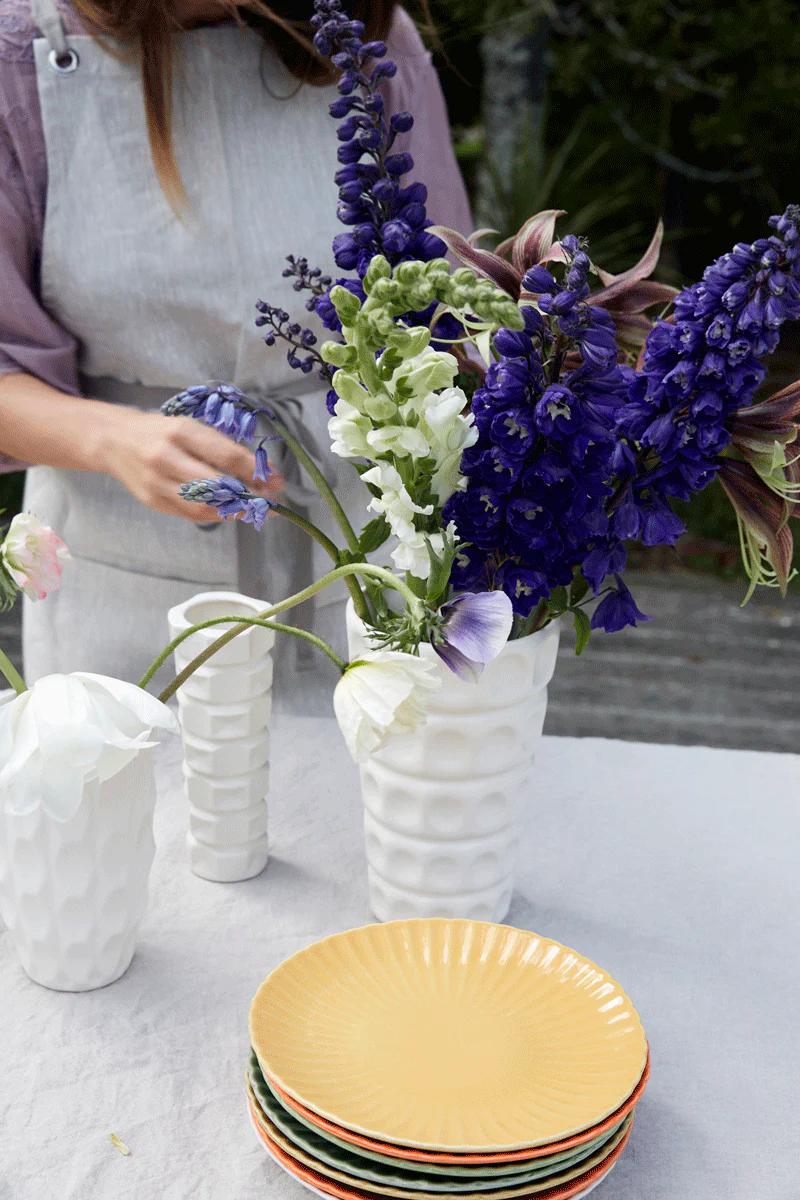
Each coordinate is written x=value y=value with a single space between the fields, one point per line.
x=149 y=454
x=41 y=425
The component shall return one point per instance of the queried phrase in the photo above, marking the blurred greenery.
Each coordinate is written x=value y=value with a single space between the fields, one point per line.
x=683 y=110
x=11 y=486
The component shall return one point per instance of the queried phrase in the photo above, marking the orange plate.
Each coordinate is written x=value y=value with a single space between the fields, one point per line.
x=323 y=1184
x=436 y=1156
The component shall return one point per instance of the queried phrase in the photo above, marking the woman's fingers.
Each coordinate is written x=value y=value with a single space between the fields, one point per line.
x=225 y=457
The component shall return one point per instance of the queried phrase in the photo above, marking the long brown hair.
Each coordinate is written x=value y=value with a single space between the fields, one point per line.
x=146 y=27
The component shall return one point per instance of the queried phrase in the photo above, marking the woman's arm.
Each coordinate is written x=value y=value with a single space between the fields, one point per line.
x=151 y=455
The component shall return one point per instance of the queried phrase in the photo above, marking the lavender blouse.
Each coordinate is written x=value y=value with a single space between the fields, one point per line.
x=30 y=339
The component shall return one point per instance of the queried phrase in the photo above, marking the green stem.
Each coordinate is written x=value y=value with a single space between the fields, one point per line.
x=370 y=570
x=330 y=547
x=309 y=527
x=324 y=488
x=12 y=674
x=278 y=626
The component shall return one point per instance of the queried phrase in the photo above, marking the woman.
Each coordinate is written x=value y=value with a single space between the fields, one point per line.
x=139 y=222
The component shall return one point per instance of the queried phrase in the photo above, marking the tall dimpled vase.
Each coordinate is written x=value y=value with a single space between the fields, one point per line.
x=225 y=709
x=442 y=805
x=73 y=893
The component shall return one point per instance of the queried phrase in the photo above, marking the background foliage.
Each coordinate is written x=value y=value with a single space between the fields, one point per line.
x=638 y=109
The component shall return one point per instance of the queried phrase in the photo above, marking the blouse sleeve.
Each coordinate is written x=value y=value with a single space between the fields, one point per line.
x=30 y=339
x=416 y=89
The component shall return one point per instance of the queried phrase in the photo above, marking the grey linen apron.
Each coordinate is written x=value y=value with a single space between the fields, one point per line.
x=158 y=302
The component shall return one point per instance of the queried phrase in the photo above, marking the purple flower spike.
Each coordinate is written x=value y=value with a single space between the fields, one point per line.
x=476 y=628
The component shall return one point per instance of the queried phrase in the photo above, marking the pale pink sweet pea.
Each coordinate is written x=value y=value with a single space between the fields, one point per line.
x=33 y=555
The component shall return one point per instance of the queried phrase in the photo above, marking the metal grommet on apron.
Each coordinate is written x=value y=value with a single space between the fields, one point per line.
x=65 y=62
x=157 y=302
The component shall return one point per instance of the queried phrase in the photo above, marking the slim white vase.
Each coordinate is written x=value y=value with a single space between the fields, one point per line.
x=225 y=710
x=73 y=893
x=442 y=805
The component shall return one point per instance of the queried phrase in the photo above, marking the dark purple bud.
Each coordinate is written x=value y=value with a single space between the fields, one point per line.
x=399 y=164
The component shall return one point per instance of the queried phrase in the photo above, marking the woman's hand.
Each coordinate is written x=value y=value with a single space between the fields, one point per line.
x=152 y=455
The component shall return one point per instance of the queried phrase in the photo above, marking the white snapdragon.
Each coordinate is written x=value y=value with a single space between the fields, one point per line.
x=394 y=501
x=425 y=373
x=348 y=430
x=412 y=555
x=403 y=441
x=451 y=430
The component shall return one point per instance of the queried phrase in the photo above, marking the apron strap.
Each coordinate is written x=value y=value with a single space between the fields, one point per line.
x=47 y=18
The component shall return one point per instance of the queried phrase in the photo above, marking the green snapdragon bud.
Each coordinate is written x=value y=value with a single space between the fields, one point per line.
x=379 y=268
x=346 y=304
x=339 y=355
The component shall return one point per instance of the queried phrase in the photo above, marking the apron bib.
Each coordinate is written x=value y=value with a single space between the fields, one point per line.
x=157 y=302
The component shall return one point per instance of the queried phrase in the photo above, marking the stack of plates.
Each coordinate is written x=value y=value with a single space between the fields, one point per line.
x=434 y=1058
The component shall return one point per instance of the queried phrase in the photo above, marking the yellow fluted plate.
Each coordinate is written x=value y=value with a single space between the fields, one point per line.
x=449 y=1035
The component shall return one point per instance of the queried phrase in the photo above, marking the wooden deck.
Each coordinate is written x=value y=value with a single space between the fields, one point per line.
x=703 y=672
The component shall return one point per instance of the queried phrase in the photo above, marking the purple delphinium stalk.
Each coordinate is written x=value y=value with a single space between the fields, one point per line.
x=229 y=497
x=383 y=214
x=704 y=367
x=540 y=477
x=475 y=629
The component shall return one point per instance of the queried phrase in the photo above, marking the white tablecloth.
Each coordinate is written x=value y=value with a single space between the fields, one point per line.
x=676 y=869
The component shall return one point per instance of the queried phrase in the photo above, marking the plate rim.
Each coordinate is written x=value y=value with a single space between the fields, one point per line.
x=470 y=1158
x=496 y=1186
x=444 y=1164
x=305 y=951
x=569 y=1191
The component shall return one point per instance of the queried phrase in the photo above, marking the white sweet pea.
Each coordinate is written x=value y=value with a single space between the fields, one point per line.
x=383 y=693
x=67 y=730
x=394 y=502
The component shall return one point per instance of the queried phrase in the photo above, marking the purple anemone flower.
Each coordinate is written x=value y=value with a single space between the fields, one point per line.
x=475 y=629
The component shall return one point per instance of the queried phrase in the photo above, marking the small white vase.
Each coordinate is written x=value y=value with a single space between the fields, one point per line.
x=225 y=709
x=73 y=893
x=442 y=805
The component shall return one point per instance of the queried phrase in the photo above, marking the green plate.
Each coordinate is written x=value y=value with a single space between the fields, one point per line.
x=379 y=1168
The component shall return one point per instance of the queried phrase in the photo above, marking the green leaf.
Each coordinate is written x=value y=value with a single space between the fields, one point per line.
x=373 y=535
x=578 y=589
x=583 y=630
x=558 y=600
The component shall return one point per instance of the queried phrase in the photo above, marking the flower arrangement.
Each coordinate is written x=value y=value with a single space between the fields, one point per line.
x=518 y=421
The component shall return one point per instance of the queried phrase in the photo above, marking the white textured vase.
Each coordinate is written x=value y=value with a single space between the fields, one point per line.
x=225 y=710
x=442 y=805
x=73 y=893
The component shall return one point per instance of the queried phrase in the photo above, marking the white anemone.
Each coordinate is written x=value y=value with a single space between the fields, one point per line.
x=382 y=693
x=67 y=730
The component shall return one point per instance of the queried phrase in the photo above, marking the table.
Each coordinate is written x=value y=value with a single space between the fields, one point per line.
x=675 y=868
